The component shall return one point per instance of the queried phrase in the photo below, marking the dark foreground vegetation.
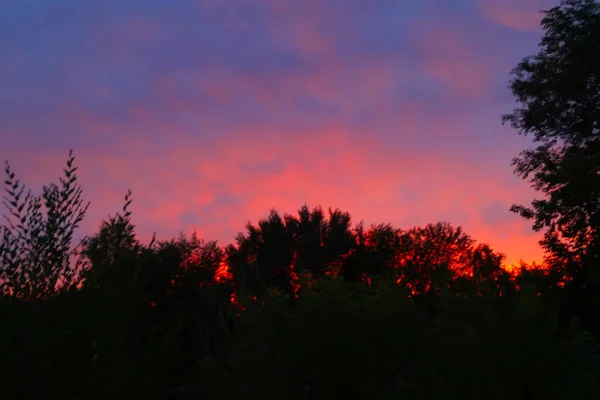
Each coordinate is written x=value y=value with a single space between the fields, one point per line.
x=312 y=306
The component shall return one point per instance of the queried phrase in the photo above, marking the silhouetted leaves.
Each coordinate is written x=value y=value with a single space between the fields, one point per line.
x=558 y=94
x=559 y=102
x=36 y=241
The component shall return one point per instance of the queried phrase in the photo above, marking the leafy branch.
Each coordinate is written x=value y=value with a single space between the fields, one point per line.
x=37 y=237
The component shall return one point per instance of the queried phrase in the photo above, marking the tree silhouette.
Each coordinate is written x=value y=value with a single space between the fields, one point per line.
x=36 y=242
x=339 y=237
x=558 y=94
x=309 y=232
x=288 y=255
x=274 y=254
x=374 y=253
x=263 y=257
x=432 y=256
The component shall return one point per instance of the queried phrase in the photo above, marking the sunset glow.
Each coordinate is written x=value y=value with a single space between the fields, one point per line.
x=213 y=112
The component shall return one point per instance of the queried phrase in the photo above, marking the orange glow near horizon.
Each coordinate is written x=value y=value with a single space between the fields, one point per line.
x=223 y=273
x=458 y=262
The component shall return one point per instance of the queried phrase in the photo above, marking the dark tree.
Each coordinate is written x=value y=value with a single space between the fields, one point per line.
x=488 y=273
x=374 y=253
x=431 y=256
x=263 y=256
x=558 y=94
x=279 y=251
x=338 y=237
x=35 y=247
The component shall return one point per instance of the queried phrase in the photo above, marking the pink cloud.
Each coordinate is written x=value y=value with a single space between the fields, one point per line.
x=447 y=58
x=378 y=178
x=327 y=167
x=521 y=15
x=291 y=25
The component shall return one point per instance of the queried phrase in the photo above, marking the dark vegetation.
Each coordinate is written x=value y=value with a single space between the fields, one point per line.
x=312 y=306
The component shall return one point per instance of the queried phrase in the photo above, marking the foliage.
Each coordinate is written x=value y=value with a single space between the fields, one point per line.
x=558 y=91
x=344 y=341
x=36 y=241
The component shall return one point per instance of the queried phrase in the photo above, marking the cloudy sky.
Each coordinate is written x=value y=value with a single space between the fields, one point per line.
x=215 y=111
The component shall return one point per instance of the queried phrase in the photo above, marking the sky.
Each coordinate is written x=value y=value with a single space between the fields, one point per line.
x=215 y=111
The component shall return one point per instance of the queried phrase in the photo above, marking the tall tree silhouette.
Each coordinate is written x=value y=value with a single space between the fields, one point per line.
x=262 y=259
x=273 y=254
x=36 y=242
x=488 y=274
x=558 y=94
x=339 y=237
x=308 y=231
